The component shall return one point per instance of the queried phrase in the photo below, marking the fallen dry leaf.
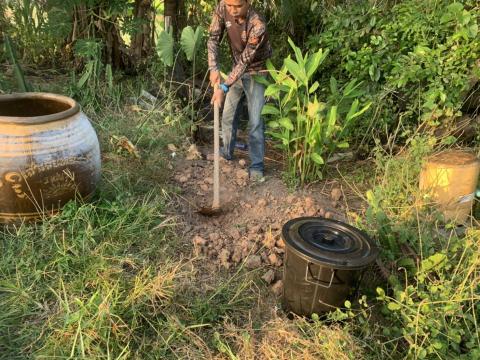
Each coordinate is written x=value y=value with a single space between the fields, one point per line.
x=122 y=142
x=193 y=153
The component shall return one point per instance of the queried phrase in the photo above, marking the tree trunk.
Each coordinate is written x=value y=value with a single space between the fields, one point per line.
x=94 y=23
x=143 y=41
x=175 y=11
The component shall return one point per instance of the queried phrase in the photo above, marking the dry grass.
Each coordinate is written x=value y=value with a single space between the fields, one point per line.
x=281 y=339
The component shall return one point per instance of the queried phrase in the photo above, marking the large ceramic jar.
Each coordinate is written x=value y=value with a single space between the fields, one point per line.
x=49 y=154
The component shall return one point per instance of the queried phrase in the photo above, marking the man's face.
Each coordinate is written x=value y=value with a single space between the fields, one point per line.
x=237 y=8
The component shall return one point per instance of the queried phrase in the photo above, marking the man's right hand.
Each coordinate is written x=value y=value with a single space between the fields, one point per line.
x=214 y=78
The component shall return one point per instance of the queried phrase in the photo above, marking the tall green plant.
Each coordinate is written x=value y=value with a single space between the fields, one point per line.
x=95 y=74
x=190 y=42
x=22 y=83
x=308 y=129
x=165 y=47
x=37 y=27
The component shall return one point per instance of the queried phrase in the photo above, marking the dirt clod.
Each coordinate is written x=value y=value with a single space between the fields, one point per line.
x=277 y=288
x=214 y=236
x=199 y=241
x=241 y=174
x=273 y=259
x=269 y=240
x=262 y=203
x=280 y=243
x=193 y=153
x=336 y=194
x=224 y=256
x=269 y=276
x=183 y=179
x=253 y=262
x=308 y=202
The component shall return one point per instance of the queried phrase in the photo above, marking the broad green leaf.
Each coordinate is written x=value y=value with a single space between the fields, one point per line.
x=274 y=73
x=261 y=80
x=380 y=291
x=406 y=263
x=301 y=118
x=433 y=261
x=358 y=113
x=270 y=110
x=473 y=30
x=86 y=75
x=332 y=119
x=392 y=306
x=277 y=135
x=272 y=90
x=295 y=69
x=333 y=86
x=421 y=50
x=456 y=7
x=289 y=82
x=351 y=87
x=314 y=62
x=273 y=124
x=317 y=158
x=190 y=41
x=298 y=53
x=314 y=87
x=165 y=48
x=313 y=139
x=352 y=111
x=286 y=123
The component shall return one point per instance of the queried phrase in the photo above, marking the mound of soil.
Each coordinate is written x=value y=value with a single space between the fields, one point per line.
x=248 y=231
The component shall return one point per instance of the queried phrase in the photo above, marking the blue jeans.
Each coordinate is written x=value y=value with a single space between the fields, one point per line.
x=255 y=94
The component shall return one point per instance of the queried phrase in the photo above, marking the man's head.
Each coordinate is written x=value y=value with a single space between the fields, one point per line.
x=237 y=8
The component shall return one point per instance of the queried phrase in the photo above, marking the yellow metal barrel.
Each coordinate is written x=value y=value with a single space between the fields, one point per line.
x=450 y=178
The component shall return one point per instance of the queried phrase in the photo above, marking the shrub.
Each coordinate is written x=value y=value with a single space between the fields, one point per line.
x=308 y=130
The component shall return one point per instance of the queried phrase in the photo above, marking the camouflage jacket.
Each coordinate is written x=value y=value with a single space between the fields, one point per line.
x=250 y=49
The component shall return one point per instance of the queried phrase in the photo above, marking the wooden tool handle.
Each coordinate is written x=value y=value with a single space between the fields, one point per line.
x=216 y=156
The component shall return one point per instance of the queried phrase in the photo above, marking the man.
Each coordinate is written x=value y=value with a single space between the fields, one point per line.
x=250 y=48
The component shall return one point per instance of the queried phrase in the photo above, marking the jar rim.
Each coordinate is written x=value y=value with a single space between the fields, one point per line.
x=73 y=109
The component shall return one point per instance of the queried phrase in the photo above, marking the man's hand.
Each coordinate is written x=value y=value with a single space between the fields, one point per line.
x=214 y=78
x=218 y=96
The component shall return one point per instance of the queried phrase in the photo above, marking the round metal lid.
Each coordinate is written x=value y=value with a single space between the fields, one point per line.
x=329 y=242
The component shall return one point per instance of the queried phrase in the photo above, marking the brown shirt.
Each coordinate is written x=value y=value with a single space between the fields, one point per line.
x=248 y=42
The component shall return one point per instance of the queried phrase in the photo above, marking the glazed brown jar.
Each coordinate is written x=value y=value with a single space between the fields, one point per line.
x=49 y=154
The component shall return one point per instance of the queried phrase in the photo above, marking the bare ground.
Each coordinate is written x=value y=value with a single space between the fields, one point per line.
x=248 y=230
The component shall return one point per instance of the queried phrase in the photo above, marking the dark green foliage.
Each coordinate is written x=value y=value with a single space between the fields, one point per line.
x=416 y=58
x=23 y=86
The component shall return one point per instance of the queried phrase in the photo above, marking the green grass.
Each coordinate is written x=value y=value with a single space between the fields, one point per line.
x=112 y=278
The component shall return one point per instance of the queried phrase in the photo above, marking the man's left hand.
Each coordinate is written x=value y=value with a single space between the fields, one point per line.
x=218 y=97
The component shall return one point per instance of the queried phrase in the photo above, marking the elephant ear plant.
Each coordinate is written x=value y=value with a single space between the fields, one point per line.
x=308 y=130
x=190 y=42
